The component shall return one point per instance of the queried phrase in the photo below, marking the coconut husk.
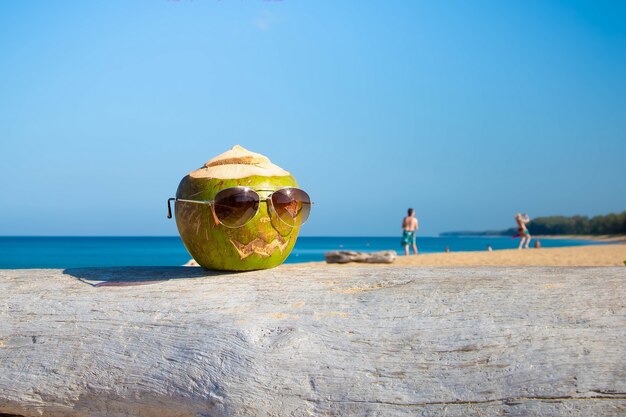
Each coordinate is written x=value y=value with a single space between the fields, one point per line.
x=239 y=162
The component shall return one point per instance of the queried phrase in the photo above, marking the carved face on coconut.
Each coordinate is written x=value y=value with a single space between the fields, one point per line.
x=263 y=242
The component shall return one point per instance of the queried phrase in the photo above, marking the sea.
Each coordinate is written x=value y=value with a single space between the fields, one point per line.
x=73 y=252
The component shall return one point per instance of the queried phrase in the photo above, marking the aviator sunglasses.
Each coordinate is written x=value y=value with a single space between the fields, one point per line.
x=236 y=206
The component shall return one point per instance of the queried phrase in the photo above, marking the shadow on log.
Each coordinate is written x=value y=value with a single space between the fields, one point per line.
x=140 y=275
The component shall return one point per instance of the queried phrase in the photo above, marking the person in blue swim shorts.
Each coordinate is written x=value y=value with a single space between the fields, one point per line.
x=409 y=229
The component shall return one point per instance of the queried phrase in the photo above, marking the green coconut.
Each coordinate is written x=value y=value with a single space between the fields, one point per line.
x=264 y=242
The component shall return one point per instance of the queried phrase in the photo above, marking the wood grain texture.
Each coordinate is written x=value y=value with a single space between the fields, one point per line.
x=322 y=341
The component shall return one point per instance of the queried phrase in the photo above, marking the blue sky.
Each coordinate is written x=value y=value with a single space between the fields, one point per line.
x=466 y=111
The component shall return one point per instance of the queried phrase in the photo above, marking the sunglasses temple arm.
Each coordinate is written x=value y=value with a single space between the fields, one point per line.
x=169 y=208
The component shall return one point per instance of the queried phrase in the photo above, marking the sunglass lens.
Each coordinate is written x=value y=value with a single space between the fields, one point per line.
x=234 y=207
x=292 y=205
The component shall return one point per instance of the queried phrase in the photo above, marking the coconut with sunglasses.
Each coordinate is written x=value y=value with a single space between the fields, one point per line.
x=240 y=212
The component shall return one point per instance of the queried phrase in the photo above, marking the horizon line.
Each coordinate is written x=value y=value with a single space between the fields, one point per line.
x=323 y=236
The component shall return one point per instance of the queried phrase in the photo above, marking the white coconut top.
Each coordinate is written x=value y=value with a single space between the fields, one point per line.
x=239 y=163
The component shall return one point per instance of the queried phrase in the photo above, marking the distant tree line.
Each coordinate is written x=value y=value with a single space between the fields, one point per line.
x=610 y=224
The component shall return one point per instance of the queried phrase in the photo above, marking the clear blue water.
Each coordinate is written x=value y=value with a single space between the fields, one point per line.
x=73 y=252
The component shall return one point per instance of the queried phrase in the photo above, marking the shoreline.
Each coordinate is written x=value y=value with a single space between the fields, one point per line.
x=593 y=238
x=610 y=254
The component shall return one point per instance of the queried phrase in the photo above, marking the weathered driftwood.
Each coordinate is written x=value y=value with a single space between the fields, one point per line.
x=313 y=341
x=344 y=256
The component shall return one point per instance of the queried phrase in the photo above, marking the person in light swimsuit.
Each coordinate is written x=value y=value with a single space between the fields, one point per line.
x=409 y=229
x=522 y=230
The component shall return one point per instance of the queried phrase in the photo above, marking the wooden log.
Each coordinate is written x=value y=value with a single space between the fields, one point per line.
x=344 y=256
x=313 y=340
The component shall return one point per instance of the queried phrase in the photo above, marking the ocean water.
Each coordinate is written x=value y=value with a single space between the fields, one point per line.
x=73 y=252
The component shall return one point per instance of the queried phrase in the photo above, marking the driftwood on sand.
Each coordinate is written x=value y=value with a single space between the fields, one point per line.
x=313 y=341
x=344 y=256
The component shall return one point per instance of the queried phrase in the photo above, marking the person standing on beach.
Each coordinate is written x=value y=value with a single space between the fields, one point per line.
x=522 y=230
x=409 y=229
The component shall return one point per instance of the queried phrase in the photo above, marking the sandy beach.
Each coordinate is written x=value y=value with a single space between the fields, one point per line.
x=593 y=255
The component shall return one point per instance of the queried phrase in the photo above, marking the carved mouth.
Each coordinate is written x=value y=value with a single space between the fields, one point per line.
x=260 y=247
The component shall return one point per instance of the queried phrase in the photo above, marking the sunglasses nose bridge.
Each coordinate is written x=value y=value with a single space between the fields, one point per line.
x=263 y=213
x=264 y=209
